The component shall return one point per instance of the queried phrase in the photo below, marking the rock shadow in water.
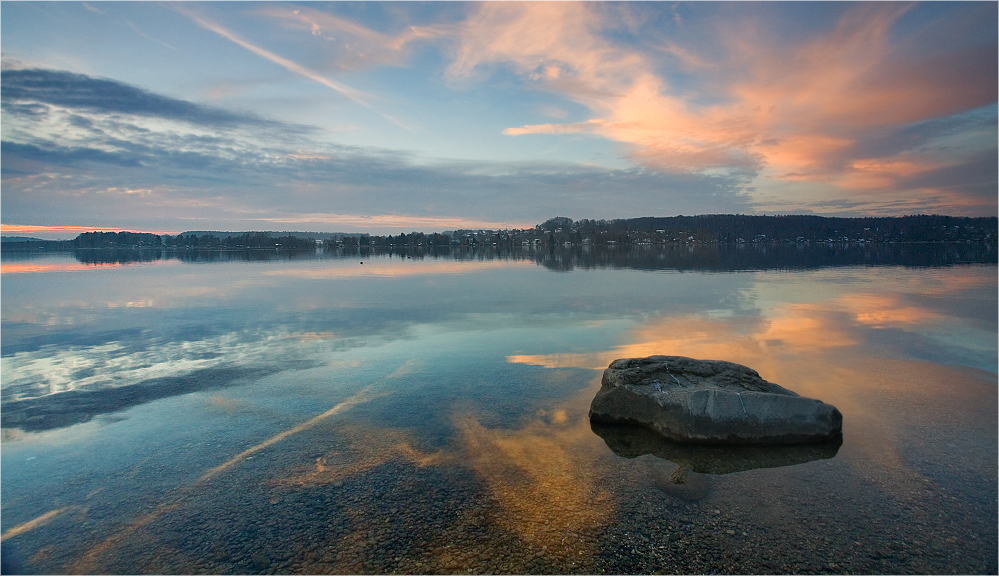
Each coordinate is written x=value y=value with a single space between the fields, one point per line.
x=630 y=441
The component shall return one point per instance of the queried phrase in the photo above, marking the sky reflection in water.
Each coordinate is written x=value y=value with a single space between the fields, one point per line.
x=315 y=377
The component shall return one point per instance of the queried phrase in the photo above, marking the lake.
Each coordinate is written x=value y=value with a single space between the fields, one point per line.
x=420 y=413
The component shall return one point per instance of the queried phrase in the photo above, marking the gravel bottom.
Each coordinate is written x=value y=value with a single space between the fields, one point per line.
x=400 y=518
x=377 y=505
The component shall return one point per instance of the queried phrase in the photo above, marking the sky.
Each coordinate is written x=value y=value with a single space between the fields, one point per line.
x=402 y=116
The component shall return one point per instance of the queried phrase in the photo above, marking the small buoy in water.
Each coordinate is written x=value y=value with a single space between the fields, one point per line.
x=362 y=262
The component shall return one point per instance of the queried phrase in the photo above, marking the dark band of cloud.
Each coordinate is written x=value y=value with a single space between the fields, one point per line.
x=29 y=88
x=64 y=156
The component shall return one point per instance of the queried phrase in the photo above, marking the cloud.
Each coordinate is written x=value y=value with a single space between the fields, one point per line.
x=29 y=90
x=74 y=162
x=588 y=126
x=30 y=229
x=357 y=96
x=554 y=44
x=747 y=98
x=397 y=221
x=350 y=45
x=65 y=156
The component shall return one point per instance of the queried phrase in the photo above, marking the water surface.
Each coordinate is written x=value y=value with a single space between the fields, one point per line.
x=428 y=414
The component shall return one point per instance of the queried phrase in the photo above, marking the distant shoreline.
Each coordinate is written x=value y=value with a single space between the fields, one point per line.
x=562 y=231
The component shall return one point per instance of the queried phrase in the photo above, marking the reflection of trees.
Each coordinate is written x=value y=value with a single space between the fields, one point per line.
x=117 y=255
x=693 y=257
x=211 y=256
x=736 y=257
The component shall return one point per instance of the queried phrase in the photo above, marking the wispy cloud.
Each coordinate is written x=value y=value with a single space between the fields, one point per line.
x=39 y=87
x=91 y=8
x=147 y=36
x=351 y=45
x=33 y=229
x=82 y=159
x=357 y=96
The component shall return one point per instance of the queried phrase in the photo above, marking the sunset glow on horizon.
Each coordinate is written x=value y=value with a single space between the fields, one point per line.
x=391 y=117
x=17 y=229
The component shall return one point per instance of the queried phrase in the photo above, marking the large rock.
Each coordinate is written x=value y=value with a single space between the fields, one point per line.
x=711 y=402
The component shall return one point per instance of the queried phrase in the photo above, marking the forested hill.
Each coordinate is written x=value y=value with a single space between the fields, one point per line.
x=561 y=231
x=729 y=228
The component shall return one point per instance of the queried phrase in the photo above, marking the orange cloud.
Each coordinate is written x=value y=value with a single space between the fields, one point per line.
x=588 y=126
x=795 y=112
x=552 y=42
x=31 y=228
x=854 y=76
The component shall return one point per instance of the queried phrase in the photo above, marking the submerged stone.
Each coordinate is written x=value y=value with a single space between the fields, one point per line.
x=682 y=483
x=709 y=402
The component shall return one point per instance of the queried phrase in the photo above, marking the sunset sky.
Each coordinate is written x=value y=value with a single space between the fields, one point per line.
x=393 y=117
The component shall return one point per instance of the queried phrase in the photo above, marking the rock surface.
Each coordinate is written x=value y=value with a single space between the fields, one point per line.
x=709 y=401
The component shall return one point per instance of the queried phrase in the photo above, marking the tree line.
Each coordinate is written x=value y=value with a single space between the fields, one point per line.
x=563 y=231
x=738 y=228
x=245 y=241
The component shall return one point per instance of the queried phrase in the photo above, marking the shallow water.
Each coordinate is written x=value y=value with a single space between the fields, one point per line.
x=428 y=415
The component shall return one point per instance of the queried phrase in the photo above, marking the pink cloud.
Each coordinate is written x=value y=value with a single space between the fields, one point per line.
x=588 y=126
x=556 y=44
x=32 y=228
x=761 y=105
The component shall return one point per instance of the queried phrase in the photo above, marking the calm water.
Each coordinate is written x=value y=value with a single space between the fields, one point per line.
x=428 y=415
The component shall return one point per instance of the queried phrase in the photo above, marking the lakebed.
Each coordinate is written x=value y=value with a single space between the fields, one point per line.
x=429 y=415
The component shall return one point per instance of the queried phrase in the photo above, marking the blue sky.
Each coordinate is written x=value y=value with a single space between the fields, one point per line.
x=403 y=116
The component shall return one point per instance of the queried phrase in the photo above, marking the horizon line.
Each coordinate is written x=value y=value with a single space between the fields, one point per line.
x=21 y=229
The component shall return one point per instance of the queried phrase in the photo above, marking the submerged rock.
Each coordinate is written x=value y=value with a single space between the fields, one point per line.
x=682 y=483
x=709 y=401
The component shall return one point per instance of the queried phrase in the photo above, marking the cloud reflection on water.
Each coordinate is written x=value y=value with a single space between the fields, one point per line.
x=834 y=344
x=366 y=447
x=546 y=476
x=34 y=268
x=841 y=336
